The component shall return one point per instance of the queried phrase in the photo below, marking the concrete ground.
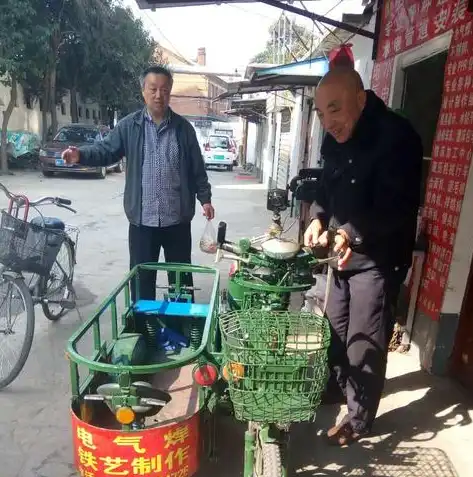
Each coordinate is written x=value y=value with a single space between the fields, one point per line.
x=424 y=426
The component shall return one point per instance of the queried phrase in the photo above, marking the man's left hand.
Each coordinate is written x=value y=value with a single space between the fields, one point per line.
x=208 y=211
x=342 y=247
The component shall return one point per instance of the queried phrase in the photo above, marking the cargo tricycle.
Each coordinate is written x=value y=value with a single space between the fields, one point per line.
x=146 y=390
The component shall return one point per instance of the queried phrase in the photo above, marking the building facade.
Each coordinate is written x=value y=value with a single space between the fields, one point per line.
x=27 y=114
x=192 y=94
x=424 y=69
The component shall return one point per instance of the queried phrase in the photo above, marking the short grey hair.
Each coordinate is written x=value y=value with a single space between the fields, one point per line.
x=157 y=70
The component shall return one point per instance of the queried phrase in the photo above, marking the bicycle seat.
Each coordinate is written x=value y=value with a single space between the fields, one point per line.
x=49 y=222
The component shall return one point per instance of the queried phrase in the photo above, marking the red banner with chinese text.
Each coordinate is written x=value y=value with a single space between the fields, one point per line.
x=409 y=23
x=381 y=78
x=167 y=451
x=451 y=158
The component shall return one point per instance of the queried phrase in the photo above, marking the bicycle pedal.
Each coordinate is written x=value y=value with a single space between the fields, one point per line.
x=68 y=304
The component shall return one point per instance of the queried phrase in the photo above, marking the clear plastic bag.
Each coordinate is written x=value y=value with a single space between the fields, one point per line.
x=208 y=240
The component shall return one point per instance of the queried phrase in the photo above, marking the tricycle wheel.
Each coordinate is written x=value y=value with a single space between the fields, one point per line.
x=268 y=460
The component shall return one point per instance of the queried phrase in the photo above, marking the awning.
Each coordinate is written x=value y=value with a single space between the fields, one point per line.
x=254 y=110
x=292 y=76
x=147 y=4
x=206 y=117
x=282 y=4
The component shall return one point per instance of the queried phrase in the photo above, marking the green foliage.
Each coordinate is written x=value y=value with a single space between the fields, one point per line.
x=95 y=48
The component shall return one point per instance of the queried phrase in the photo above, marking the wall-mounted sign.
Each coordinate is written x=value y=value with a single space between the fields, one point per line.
x=224 y=132
x=203 y=123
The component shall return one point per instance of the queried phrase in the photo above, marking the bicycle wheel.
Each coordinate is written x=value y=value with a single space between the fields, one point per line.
x=13 y=293
x=56 y=288
x=268 y=460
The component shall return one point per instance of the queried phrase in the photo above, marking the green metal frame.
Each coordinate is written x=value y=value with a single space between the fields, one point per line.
x=102 y=349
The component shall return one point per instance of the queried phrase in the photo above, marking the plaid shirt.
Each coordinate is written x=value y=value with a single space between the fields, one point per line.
x=161 y=178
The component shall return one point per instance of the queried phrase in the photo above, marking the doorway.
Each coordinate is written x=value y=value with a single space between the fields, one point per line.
x=421 y=103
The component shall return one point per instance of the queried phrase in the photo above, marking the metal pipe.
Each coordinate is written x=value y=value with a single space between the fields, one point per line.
x=199 y=70
x=320 y=18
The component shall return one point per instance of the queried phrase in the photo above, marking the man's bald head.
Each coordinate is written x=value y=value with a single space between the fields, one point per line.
x=343 y=76
x=339 y=100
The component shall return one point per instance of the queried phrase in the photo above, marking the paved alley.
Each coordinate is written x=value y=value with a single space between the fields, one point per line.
x=425 y=426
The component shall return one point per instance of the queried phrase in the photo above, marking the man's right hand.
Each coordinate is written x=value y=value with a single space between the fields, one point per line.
x=314 y=236
x=71 y=155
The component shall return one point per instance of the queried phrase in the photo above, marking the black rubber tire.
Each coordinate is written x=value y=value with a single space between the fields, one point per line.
x=47 y=173
x=119 y=167
x=30 y=323
x=50 y=315
x=102 y=174
x=272 y=460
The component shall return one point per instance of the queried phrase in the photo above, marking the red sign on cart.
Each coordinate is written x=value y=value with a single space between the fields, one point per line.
x=167 y=451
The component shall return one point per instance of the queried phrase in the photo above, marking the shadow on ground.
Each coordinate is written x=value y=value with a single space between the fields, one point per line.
x=398 y=447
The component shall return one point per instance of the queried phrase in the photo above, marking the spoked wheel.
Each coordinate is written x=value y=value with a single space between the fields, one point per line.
x=16 y=327
x=56 y=288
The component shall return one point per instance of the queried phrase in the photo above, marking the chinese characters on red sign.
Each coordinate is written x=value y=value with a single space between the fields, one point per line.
x=381 y=78
x=406 y=24
x=169 y=451
x=451 y=158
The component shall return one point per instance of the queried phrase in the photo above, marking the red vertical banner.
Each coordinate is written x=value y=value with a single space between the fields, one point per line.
x=381 y=78
x=451 y=158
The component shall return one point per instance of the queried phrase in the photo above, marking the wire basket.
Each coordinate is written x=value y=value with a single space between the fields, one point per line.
x=27 y=247
x=276 y=363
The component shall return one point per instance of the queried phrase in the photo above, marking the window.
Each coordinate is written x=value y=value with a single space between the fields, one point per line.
x=63 y=109
x=218 y=142
x=285 y=120
x=41 y=104
x=73 y=134
x=87 y=113
x=94 y=114
x=79 y=111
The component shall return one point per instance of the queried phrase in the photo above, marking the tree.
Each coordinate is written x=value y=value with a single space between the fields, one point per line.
x=158 y=57
x=287 y=42
x=75 y=53
x=17 y=31
x=63 y=21
x=116 y=62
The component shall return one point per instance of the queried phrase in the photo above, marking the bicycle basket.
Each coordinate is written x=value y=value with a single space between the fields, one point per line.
x=276 y=363
x=26 y=247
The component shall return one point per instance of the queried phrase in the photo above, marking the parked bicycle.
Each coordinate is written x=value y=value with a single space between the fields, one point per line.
x=37 y=260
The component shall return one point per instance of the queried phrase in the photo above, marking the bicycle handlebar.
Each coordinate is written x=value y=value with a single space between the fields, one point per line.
x=20 y=200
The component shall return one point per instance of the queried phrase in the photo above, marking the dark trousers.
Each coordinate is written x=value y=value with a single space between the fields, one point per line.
x=361 y=310
x=145 y=245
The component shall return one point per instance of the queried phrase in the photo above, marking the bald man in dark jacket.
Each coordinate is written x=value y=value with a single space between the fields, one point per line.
x=368 y=199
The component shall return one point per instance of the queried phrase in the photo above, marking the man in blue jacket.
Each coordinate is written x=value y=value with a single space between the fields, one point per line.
x=165 y=173
x=367 y=200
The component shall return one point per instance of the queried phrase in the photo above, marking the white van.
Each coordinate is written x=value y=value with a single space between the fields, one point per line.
x=219 y=151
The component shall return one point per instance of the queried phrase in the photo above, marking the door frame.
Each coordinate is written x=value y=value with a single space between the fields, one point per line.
x=463 y=334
